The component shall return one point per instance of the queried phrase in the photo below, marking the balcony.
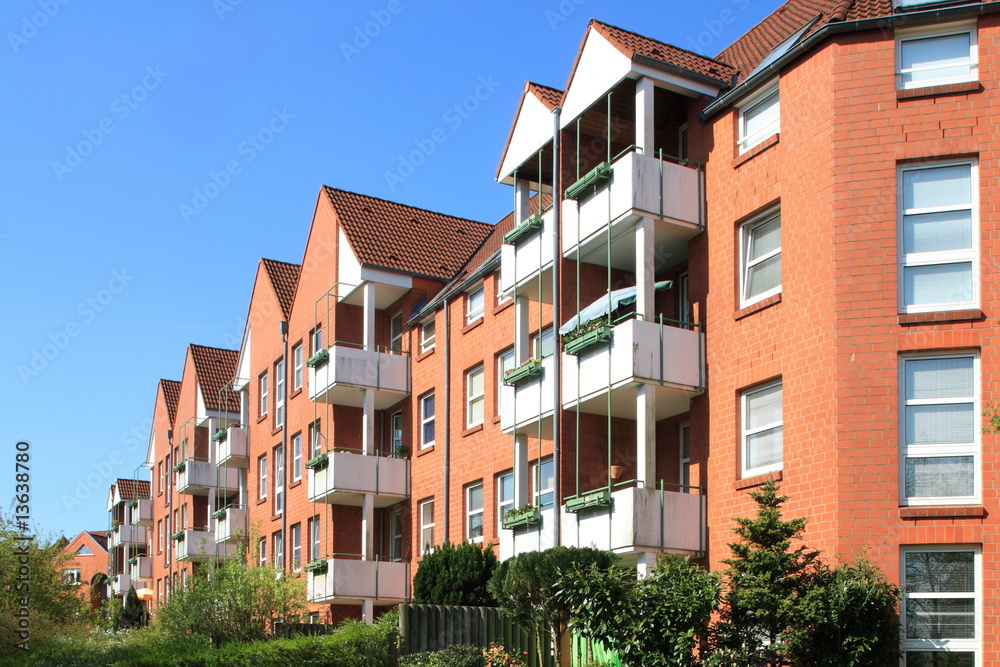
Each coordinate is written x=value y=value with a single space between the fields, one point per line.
x=530 y=256
x=233 y=451
x=197 y=478
x=343 y=378
x=530 y=400
x=641 y=520
x=639 y=186
x=199 y=545
x=128 y=535
x=347 y=476
x=529 y=537
x=141 y=569
x=353 y=581
x=120 y=583
x=670 y=358
x=231 y=524
x=142 y=511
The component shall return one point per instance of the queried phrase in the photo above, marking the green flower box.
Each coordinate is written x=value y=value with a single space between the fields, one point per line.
x=526 y=371
x=180 y=467
x=316 y=566
x=522 y=516
x=134 y=560
x=318 y=463
x=526 y=228
x=579 y=343
x=178 y=536
x=220 y=435
x=134 y=504
x=220 y=514
x=318 y=359
x=590 y=501
x=589 y=181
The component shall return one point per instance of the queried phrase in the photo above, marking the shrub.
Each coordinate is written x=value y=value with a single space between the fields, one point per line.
x=455 y=574
x=460 y=655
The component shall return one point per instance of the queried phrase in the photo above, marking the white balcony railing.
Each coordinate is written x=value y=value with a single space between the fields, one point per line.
x=231 y=526
x=142 y=512
x=671 y=358
x=347 y=476
x=532 y=399
x=233 y=451
x=128 y=535
x=522 y=262
x=535 y=537
x=349 y=371
x=353 y=581
x=198 y=477
x=142 y=568
x=641 y=520
x=120 y=583
x=200 y=545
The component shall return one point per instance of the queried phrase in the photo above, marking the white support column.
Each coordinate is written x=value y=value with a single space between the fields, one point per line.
x=645 y=434
x=520 y=470
x=644 y=115
x=645 y=269
x=368 y=611
x=522 y=348
x=522 y=199
x=644 y=566
x=368 y=306
x=368 y=527
x=368 y=423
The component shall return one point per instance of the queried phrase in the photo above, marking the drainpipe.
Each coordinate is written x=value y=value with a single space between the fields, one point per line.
x=556 y=319
x=446 y=496
x=286 y=548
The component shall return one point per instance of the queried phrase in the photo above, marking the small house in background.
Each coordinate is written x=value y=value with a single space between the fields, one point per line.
x=87 y=566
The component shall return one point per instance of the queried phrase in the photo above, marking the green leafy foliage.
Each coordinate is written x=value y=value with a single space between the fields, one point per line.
x=132 y=615
x=455 y=574
x=459 y=655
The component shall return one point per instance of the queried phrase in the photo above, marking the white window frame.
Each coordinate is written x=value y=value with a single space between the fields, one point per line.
x=938 y=258
x=472 y=513
x=475 y=400
x=972 y=449
x=262 y=386
x=537 y=492
x=931 y=32
x=746 y=231
x=538 y=342
x=684 y=463
x=396 y=432
x=315 y=539
x=425 y=420
x=427 y=336
x=316 y=339
x=396 y=536
x=279 y=393
x=426 y=527
x=504 y=504
x=474 y=311
x=296 y=538
x=943 y=645
x=315 y=439
x=297 y=457
x=396 y=333
x=262 y=552
x=756 y=101
x=279 y=479
x=278 y=549
x=298 y=363
x=505 y=362
x=262 y=477
x=71 y=575
x=746 y=433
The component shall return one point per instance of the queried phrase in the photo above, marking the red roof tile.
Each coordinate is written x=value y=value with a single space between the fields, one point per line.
x=404 y=238
x=171 y=395
x=633 y=44
x=215 y=369
x=132 y=488
x=284 y=279
x=100 y=537
x=550 y=97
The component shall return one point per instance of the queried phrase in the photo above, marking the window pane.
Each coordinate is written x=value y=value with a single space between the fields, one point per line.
x=759 y=117
x=939 y=659
x=937 y=186
x=476 y=383
x=936 y=57
x=940 y=476
x=764 y=276
x=940 y=424
x=940 y=618
x=764 y=238
x=940 y=572
x=428 y=407
x=764 y=448
x=506 y=489
x=427 y=513
x=937 y=283
x=932 y=232
x=951 y=377
x=764 y=407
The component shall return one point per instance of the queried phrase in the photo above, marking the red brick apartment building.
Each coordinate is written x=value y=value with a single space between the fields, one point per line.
x=766 y=265
x=87 y=566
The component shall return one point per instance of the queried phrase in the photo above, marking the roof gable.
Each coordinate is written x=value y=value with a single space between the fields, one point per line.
x=284 y=279
x=215 y=369
x=171 y=395
x=532 y=127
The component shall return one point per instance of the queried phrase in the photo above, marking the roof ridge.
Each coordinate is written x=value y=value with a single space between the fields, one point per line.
x=659 y=41
x=409 y=206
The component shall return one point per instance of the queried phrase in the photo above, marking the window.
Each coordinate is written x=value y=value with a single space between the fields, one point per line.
x=761 y=432
x=938 y=238
x=940 y=447
x=396 y=536
x=262 y=552
x=316 y=339
x=315 y=440
x=474 y=397
x=685 y=450
x=159 y=531
x=71 y=576
x=543 y=344
x=262 y=384
x=475 y=305
x=278 y=552
x=544 y=484
x=296 y=457
x=505 y=495
x=936 y=56
x=505 y=362
x=84 y=550
x=427 y=337
x=159 y=474
x=298 y=361
x=315 y=550
x=398 y=449
x=682 y=141
x=396 y=333
x=759 y=118
x=262 y=477
x=296 y=537
x=940 y=606
x=279 y=479
x=760 y=263
x=279 y=393
x=427 y=421
x=426 y=526
x=502 y=298
x=684 y=312
x=474 y=513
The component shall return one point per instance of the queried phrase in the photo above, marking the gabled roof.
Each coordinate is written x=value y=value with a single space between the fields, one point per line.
x=284 y=279
x=550 y=97
x=746 y=53
x=404 y=238
x=215 y=368
x=634 y=45
x=100 y=537
x=129 y=489
x=171 y=396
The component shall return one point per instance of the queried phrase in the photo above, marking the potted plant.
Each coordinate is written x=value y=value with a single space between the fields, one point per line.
x=114 y=524
x=593 y=333
x=134 y=503
x=316 y=566
x=318 y=359
x=220 y=435
x=529 y=369
x=526 y=515
x=400 y=452
x=318 y=462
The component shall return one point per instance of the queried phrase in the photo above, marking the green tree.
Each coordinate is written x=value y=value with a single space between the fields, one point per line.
x=133 y=614
x=455 y=574
x=229 y=601
x=526 y=587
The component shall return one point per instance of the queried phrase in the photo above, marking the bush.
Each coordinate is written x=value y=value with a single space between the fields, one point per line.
x=460 y=655
x=455 y=574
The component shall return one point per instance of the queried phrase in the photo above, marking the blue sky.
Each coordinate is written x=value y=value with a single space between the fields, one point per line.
x=153 y=152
